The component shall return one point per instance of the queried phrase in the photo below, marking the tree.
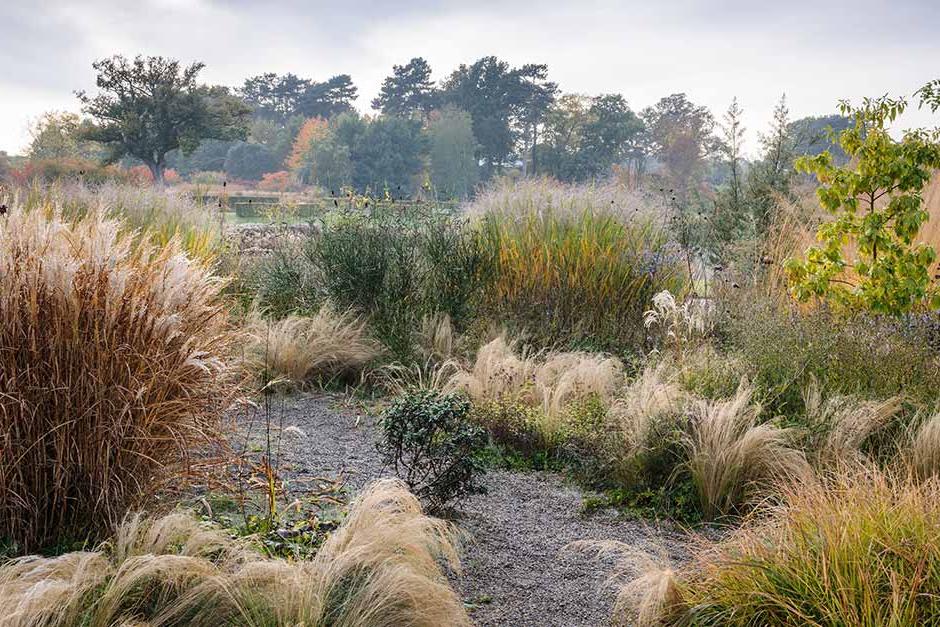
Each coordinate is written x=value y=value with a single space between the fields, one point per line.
x=312 y=131
x=5 y=167
x=535 y=95
x=454 y=169
x=248 y=161
x=57 y=135
x=280 y=98
x=408 y=92
x=609 y=132
x=151 y=105
x=680 y=135
x=771 y=177
x=328 y=98
x=390 y=153
x=877 y=202
x=274 y=97
x=506 y=105
x=811 y=135
x=732 y=212
x=584 y=137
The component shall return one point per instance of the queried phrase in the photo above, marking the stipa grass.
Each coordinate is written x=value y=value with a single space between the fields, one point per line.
x=380 y=568
x=110 y=370
x=308 y=349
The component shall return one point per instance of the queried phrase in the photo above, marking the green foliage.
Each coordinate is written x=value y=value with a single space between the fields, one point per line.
x=878 y=208
x=505 y=103
x=150 y=106
x=579 y=280
x=408 y=92
x=865 y=355
x=249 y=161
x=433 y=446
x=397 y=270
x=454 y=169
x=583 y=138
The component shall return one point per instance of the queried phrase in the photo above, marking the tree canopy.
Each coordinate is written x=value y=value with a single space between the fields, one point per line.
x=148 y=106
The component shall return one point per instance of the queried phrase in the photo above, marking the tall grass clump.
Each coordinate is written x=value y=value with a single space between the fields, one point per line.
x=161 y=215
x=925 y=448
x=380 y=568
x=110 y=370
x=578 y=278
x=730 y=453
x=861 y=547
x=308 y=349
x=398 y=269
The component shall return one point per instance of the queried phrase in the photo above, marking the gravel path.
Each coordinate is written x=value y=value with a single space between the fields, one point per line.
x=516 y=572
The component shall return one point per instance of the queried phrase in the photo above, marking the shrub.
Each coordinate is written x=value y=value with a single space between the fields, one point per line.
x=381 y=567
x=433 y=446
x=578 y=279
x=730 y=453
x=111 y=370
x=281 y=181
x=396 y=271
x=866 y=356
x=317 y=348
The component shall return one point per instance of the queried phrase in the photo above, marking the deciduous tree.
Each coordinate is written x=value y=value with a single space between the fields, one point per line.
x=148 y=106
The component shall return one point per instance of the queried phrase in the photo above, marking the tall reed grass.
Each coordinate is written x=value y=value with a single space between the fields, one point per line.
x=579 y=279
x=381 y=568
x=111 y=369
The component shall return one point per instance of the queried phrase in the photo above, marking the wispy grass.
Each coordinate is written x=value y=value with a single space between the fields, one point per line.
x=310 y=349
x=730 y=453
x=380 y=568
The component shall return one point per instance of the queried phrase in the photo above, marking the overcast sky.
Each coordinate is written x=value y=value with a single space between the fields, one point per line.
x=816 y=51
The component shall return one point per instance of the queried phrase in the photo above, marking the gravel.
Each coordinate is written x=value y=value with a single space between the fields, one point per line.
x=516 y=570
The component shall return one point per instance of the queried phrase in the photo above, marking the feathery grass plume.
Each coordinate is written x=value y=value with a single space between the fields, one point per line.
x=649 y=592
x=380 y=568
x=654 y=396
x=564 y=378
x=845 y=422
x=498 y=372
x=859 y=548
x=308 y=348
x=435 y=338
x=730 y=454
x=111 y=371
x=160 y=215
x=680 y=326
x=925 y=449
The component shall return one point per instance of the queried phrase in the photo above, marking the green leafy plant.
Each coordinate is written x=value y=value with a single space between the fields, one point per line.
x=433 y=447
x=878 y=207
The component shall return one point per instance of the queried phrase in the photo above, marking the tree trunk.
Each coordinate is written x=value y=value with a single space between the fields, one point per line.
x=156 y=170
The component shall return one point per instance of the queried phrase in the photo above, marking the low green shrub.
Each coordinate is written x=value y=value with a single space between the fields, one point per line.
x=433 y=446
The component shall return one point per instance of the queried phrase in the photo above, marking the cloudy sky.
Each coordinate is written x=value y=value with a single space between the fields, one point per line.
x=815 y=51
